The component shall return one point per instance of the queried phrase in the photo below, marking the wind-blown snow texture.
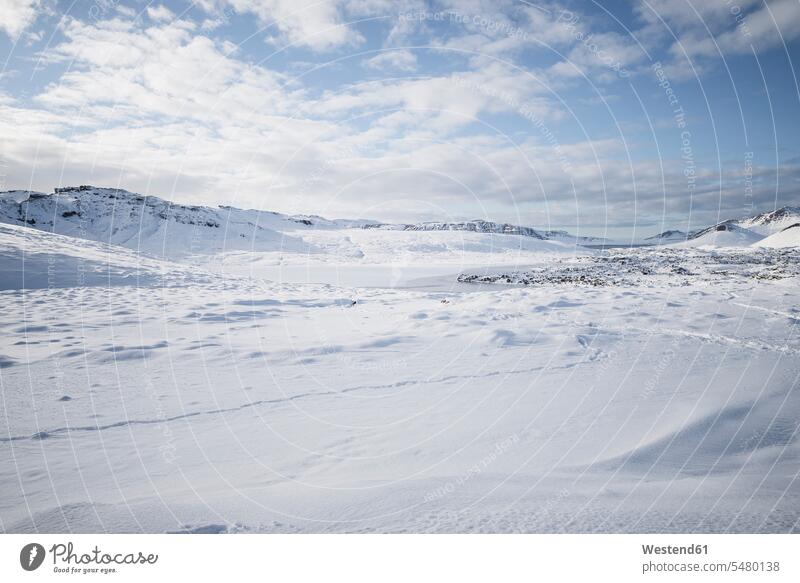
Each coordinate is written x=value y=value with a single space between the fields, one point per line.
x=335 y=378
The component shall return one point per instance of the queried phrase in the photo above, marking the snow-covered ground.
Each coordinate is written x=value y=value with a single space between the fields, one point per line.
x=350 y=382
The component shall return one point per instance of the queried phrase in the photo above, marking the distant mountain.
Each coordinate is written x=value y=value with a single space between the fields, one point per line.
x=154 y=225
x=724 y=234
x=159 y=227
x=481 y=226
x=771 y=222
x=734 y=232
x=478 y=226
x=729 y=225
x=669 y=236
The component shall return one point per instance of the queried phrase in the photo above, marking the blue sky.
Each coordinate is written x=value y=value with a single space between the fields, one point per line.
x=609 y=118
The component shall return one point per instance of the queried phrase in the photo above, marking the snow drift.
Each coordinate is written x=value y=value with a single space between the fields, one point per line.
x=31 y=259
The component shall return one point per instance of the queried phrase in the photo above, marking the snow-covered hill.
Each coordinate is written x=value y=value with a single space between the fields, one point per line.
x=725 y=234
x=152 y=225
x=788 y=237
x=734 y=232
x=669 y=236
x=772 y=221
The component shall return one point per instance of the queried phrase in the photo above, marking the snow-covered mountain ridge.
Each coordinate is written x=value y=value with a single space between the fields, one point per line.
x=157 y=226
x=771 y=222
x=482 y=226
x=736 y=232
x=668 y=236
x=152 y=224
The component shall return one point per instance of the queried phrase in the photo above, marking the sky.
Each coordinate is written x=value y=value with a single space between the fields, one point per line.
x=602 y=118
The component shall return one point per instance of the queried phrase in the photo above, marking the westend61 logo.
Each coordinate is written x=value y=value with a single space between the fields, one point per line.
x=31 y=556
x=66 y=560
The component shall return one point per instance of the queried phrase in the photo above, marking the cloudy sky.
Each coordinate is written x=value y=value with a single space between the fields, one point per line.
x=599 y=117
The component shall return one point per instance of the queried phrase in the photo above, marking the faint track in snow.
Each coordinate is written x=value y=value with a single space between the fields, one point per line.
x=48 y=433
x=746 y=343
x=793 y=317
x=749 y=343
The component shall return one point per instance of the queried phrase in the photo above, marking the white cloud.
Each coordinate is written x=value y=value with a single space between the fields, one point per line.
x=161 y=104
x=160 y=13
x=160 y=70
x=710 y=29
x=759 y=30
x=316 y=24
x=17 y=15
x=685 y=14
x=209 y=24
x=398 y=60
x=126 y=11
x=458 y=98
x=167 y=105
